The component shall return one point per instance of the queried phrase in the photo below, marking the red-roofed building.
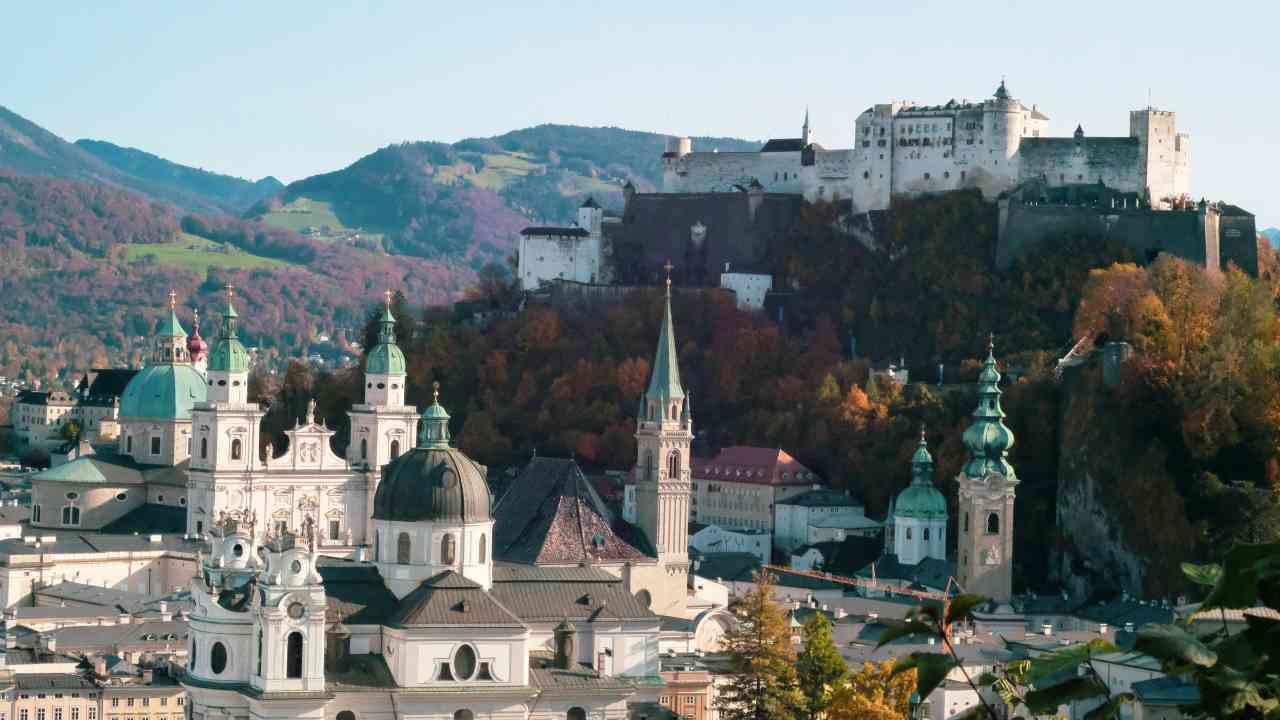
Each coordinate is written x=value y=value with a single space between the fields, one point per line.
x=739 y=487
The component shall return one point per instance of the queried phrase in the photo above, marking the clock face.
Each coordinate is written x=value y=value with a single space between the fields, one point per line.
x=296 y=610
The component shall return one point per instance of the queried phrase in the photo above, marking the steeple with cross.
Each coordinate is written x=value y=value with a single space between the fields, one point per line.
x=664 y=434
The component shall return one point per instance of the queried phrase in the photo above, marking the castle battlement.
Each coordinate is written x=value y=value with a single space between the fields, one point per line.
x=904 y=148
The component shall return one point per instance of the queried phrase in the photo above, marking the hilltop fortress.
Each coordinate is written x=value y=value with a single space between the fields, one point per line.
x=904 y=149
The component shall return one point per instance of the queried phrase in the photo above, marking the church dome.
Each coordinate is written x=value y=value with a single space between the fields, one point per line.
x=923 y=502
x=164 y=392
x=433 y=482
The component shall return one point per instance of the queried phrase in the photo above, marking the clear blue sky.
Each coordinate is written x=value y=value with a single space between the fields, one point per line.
x=292 y=89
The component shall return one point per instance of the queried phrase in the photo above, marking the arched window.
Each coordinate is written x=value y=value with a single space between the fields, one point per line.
x=260 y=649
x=464 y=715
x=993 y=524
x=926 y=534
x=908 y=533
x=346 y=715
x=673 y=465
x=235 y=449
x=364 y=448
x=576 y=713
x=648 y=465
x=966 y=522
x=448 y=549
x=35 y=513
x=293 y=656
x=484 y=544
x=71 y=515
x=204 y=448
x=191 y=659
x=128 y=444
x=218 y=658
x=395 y=449
x=404 y=546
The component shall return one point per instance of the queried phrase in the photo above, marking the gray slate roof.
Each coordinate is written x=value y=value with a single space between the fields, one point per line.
x=355 y=592
x=601 y=598
x=450 y=599
x=931 y=572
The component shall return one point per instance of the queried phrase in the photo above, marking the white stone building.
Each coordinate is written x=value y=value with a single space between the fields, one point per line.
x=546 y=253
x=902 y=149
x=714 y=539
x=794 y=516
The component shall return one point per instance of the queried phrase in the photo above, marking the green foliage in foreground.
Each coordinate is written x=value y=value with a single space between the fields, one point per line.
x=1238 y=675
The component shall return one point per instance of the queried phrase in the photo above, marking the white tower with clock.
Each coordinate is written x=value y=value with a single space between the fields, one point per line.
x=289 y=624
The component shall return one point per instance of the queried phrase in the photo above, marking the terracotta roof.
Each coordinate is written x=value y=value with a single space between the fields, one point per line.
x=759 y=466
x=552 y=514
x=451 y=599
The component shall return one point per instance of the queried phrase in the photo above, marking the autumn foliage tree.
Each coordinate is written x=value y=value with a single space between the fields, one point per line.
x=762 y=682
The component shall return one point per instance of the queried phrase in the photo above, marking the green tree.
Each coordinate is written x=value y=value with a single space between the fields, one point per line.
x=70 y=431
x=762 y=675
x=819 y=668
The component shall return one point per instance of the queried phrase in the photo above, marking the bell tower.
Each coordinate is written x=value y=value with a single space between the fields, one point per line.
x=289 y=610
x=383 y=427
x=664 y=432
x=988 y=486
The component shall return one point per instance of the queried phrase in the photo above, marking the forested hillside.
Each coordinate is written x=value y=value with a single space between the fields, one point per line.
x=232 y=193
x=28 y=149
x=88 y=268
x=469 y=200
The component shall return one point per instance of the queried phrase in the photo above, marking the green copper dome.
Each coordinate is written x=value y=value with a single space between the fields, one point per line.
x=920 y=499
x=164 y=392
x=988 y=439
x=170 y=327
x=385 y=358
x=434 y=430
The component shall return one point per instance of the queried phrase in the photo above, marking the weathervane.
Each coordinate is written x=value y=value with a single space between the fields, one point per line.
x=991 y=343
x=231 y=291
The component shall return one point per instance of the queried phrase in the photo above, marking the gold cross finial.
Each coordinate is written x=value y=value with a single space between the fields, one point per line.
x=668 y=267
x=386 y=297
x=173 y=300
x=922 y=437
x=435 y=392
x=231 y=291
x=991 y=343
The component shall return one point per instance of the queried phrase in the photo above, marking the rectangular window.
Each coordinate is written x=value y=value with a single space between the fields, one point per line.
x=155 y=446
x=146 y=702
x=57 y=714
x=23 y=714
x=115 y=702
x=180 y=699
x=335 y=529
x=164 y=702
x=92 y=714
x=39 y=713
x=128 y=702
x=75 y=712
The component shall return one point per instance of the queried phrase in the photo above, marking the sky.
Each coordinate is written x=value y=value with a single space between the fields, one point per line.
x=291 y=89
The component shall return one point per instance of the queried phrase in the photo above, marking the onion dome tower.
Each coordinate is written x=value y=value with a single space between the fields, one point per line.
x=432 y=511
x=988 y=486
x=920 y=513
x=197 y=348
x=228 y=361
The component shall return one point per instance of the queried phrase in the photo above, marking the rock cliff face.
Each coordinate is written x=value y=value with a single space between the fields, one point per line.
x=1121 y=522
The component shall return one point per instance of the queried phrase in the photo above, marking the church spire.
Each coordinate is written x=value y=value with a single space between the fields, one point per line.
x=664 y=383
x=988 y=439
x=228 y=354
x=804 y=131
x=387 y=325
x=922 y=462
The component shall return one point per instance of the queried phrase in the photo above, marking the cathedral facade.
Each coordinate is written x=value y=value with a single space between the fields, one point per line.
x=388 y=583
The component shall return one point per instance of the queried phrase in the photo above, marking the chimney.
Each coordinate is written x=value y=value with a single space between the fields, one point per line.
x=841 y=614
x=337 y=648
x=100 y=666
x=50 y=643
x=148 y=676
x=10 y=641
x=564 y=643
x=165 y=615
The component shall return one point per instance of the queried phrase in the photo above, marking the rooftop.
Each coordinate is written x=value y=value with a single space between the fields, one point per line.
x=754 y=465
x=823 y=497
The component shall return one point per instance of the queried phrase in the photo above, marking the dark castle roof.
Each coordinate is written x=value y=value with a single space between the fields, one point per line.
x=557 y=231
x=783 y=145
x=552 y=514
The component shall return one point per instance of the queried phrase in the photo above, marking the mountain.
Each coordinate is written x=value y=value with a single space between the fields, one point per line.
x=468 y=200
x=1273 y=236
x=28 y=149
x=88 y=267
x=236 y=194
